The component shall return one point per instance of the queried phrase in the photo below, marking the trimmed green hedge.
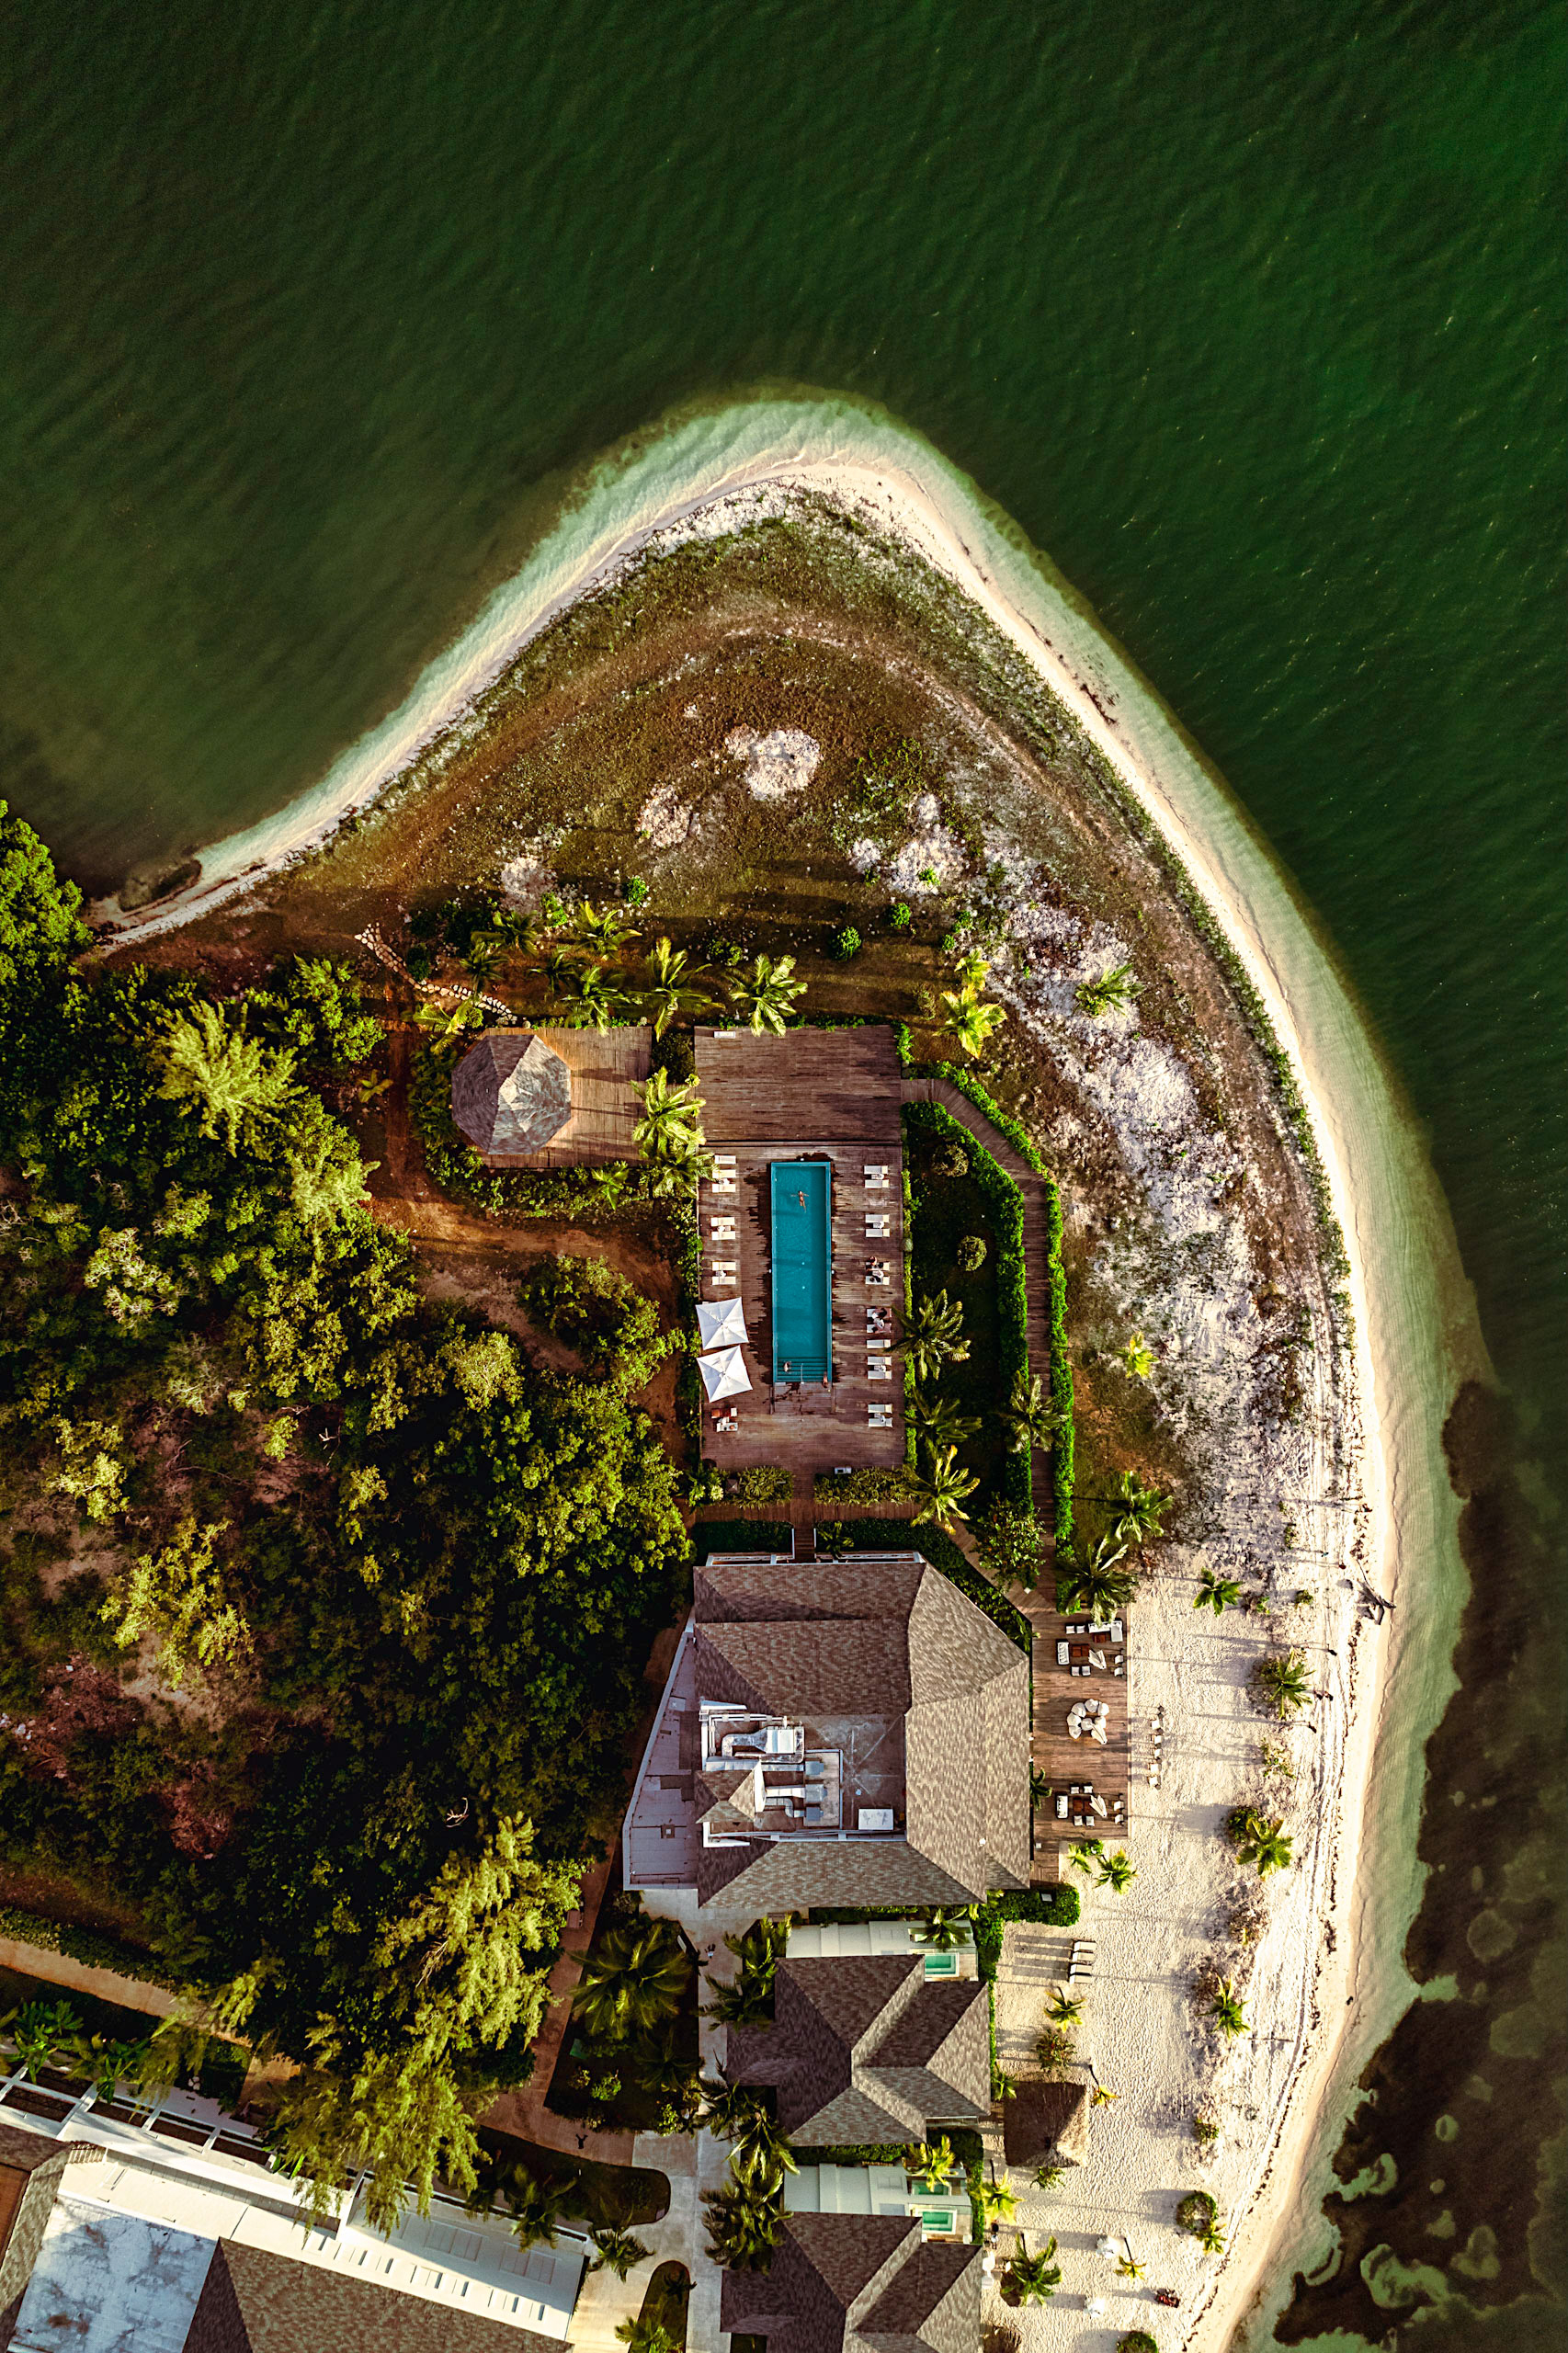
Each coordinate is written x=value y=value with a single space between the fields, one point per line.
x=1006 y=1203
x=866 y=1485
x=740 y=1535
x=900 y=1536
x=1052 y=1907
x=89 y=1945
x=761 y=1483
x=1063 y=1460
x=1018 y=1135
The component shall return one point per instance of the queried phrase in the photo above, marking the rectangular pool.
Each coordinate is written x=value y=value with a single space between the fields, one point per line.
x=801 y=1205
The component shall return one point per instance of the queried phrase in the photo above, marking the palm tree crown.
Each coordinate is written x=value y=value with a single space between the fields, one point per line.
x=935 y=1335
x=941 y=1491
x=633 y=1980
x=1263 y=1843
x=670 y=991
x=768 y=995
x=1029 y=1416
x=1034 y=2279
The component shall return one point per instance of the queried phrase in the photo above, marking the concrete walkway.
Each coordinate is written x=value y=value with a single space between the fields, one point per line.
x=78 y=1977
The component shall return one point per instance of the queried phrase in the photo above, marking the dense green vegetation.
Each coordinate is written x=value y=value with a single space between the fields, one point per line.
x=411 y=1579
x=958 y=1193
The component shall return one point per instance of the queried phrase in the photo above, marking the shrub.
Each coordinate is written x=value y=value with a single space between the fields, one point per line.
x=723 y=952
x=972 y=1254
x=1137 y=2340
x=898 y=917
x=1204 y=2129
x=1006 y=1203
x=865 y=1486
x=591 y=1305
x=1195 y=2212
x=760 y=1483
x=846 y=943
x=952 y=1160
x=89 y=1945
x=636 y=892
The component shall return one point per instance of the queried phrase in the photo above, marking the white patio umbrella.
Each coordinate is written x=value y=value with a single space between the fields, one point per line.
x=721 y=1323
x=723 y=1373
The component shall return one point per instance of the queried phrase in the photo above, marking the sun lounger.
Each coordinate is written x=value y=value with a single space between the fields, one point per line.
x=878 y=1369
x=878 y=1225
x=876 y=1176
x=877 y=1275
x=723 y=1159
x=719 y=1183
x=722 y=1229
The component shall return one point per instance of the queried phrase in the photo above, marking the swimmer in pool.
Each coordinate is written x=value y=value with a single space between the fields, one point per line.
x=801 y=1198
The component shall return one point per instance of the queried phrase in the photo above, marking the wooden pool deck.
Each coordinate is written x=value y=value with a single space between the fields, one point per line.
x=827 y=1095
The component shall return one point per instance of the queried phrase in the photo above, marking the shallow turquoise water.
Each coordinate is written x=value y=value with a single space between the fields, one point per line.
x=1249 y=316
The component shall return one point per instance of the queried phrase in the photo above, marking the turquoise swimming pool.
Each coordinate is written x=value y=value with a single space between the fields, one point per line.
x=802 y=1202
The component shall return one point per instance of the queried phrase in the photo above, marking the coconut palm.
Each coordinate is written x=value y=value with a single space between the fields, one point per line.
x=968 y=1022
x=448 y=1022
x=670 y=1123
x=1050 y=2176
x=1029 y=1416
x=672 y=2079
x=759 y=2151
x=106 y=2064
x=1112 y=989
x=1138 y=1357
x=936 y=1420
x=1263 y=1843
x=598 y=1002
x=1283 y=1683
x=617 y=2250
x=1216 y=1592
x=1225 y=2009
x=935 y=1336
x=996 y=2201
x=1129 y=2268
x=537 y=2203
x=1141 y=1510
x=632 y=1980
x=605 y=930
x=742 y=2223
x=1099 y=1587
x=1040 y=1788
x=1211 y=2237
x=931 y=2163
x=561 y=967
x=747 y=2000
x=1063 y=2008
x=42 y=2033
x=1116 y=1872
x=946 y=1928
x=1102 y=2096
x=768 y=995
x=1054 y=2048
x=670 y=993
x=646 y=2335
x=1087 y=1854
x=1034 y=2279
x=236 y=1083
x=942 y=1490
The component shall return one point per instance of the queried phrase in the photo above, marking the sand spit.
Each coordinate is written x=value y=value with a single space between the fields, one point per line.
x=1316 y=2017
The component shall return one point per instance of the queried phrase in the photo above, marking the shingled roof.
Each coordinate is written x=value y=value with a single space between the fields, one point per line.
x=891 y=1640
x=859 y=2283
x=867 y=2049
x=511 y=1092
x=1047 y=2122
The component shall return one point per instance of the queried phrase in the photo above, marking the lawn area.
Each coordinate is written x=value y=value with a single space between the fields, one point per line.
x=948 y=1208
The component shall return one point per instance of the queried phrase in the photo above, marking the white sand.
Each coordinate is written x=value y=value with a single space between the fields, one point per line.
x=1316 y=2017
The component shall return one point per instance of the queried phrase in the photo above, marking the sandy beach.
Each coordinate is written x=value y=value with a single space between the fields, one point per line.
x=1327 y=1984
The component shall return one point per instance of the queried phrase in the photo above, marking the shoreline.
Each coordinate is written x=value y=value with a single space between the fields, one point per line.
x=1410 y=1306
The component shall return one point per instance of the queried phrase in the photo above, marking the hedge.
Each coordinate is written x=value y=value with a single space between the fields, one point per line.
x=740 y=1535
x=1006 y=1203
x=900 y=1536
x=1052 y=1907
x=89 y=1945
x=866 y=1485
x=1064 y=1473
x=760 y=1483
x=1018 y=1135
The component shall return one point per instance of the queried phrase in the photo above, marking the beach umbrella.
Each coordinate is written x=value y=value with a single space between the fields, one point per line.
x=723 y=1373
x=721 y=1323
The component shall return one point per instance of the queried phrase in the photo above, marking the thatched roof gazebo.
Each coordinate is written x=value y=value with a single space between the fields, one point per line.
x=1047 y=2122
x=511 y=1092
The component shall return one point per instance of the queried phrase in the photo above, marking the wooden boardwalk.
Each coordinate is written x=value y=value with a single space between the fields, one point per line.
x=834 y=1095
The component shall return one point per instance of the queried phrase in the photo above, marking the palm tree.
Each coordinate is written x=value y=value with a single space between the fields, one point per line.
x=1216 y=1592
x=743 y=2226
x=767 y=996
x=1102 y=2094
x=599 y=1002
x=670 y=992
x=1040 y=1788
x=938 y=1421
x=1112 y=989
x=1141 y=1510
x=946 y=1928
x=1054 y=2048
x=107 y=2064
x=1098 y=1588
x=645 y=2335
x=41 y=2032
x=617 y=2250
x=1211 y=2237
x=1283 y=1682
x=537 y=2204
x=561 y=969
x=448 y=1022
x=1138 y=1357
x=1129 y=2268
x=942 y=1489
x=968 y=1022
x=973 y=971
x=747 y=2001
x=672 y=2079
x=236 y=1082
x=1029 y=1416
x=1263 y=1842
x=1225 y=2009
x=1063 y=2008
x=1050 y=2176
x=1087 y=1854
x=930 y=2163
x=996 y=2201
x=671 y=1124
x=759 y=2151
x=634 y=1980
x=1034 y=2279
x=603 y=929
x=1117 y=1873
x=934 y=1337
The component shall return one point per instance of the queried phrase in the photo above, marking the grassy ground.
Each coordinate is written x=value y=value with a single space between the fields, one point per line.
x=946 y=1210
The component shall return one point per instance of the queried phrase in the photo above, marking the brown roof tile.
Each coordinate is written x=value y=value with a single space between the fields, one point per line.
x=254 y=2301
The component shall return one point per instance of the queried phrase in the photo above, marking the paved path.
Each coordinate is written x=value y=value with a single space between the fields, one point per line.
x=107 y=1984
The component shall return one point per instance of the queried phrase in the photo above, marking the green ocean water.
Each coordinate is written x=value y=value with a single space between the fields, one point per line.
x=1249 y=317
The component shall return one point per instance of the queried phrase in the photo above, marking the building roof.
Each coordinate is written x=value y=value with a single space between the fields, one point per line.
x=859 y=2283
x=511 y=1092
x=867 y=2049
x=1046 y=2123
x=257 y=2302
x=922 y=1701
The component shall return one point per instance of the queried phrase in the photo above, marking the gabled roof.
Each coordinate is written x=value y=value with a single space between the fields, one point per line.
x=857 y=2283
x=866 y=2049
